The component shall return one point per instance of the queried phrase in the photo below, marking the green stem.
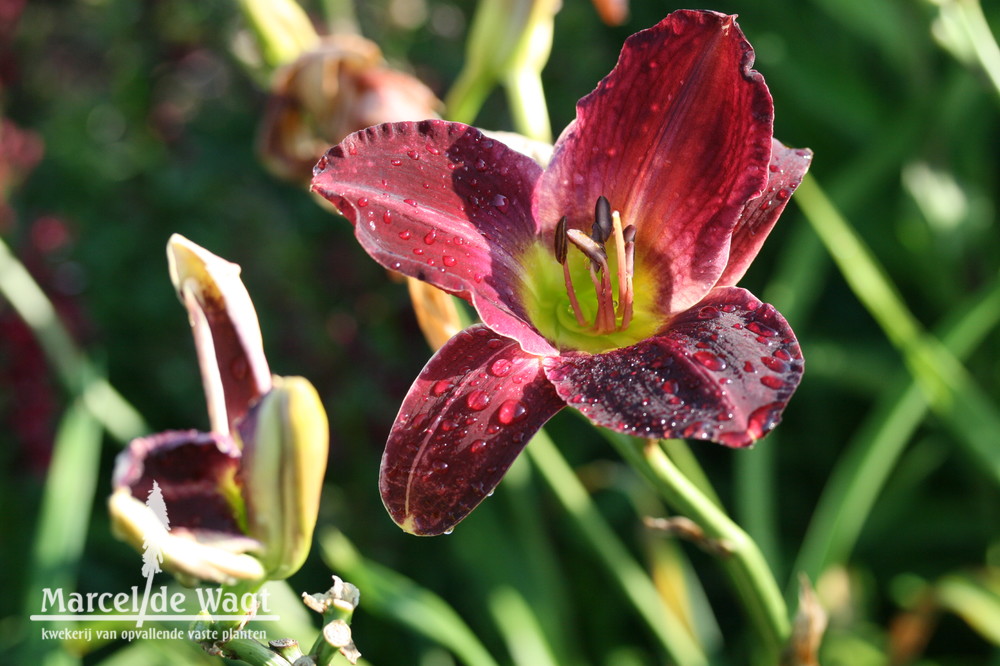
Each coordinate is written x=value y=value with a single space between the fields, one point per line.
x=72 y=366
x=252 y=652
x=687 y=462
x=467 y=95
x=754 y=581
x=968 y=14
x=619 y=563
x=527 y=104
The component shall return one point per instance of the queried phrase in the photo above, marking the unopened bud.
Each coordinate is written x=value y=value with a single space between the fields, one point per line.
x=285 y=440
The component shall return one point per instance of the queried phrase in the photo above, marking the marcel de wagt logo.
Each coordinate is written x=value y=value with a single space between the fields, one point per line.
x=160 y=604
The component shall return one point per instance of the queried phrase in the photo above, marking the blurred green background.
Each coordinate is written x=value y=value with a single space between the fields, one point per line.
x=147 y=112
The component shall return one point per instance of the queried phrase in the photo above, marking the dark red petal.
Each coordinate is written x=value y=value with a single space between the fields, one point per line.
x=788 y=166
x=678 y=138
x=442 y=203
x=464 y=421
x=723 y=370
x=194 y=470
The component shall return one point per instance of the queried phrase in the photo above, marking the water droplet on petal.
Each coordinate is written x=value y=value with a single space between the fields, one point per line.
x=500 y=202
x=501 y=367
x=362 y=202
x=387 y=217
x=411 y=202
x=395 y=162
x=430 y=237
x=448 y=426
x=775 y=364
x=708 y=312
x=405 y=234
x=477 y=400
x=413 y=155
x=761 y=329
x=448 y=260
x=772 y=382
x=441 y=387
x=710 y=360
x=478 y=446
x=511 y=411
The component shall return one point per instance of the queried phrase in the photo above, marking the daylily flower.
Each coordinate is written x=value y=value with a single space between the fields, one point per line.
x=243 y=498
x=605 y=281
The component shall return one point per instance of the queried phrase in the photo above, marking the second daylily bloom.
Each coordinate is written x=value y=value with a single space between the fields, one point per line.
x=242 y=499
x=605 y=281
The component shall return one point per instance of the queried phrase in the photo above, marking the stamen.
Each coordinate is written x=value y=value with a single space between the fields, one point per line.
x=629 y=237
x=607 y=223
x=616 y=221
x=605 y=320
x=588 y=246
x=562 y=249
x=602 y=220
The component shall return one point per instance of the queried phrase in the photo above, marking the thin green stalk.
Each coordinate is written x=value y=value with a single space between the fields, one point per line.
x=527 y=104
x=862 y=471
x=968 y=16
x=252 y=652
x=509 y=42
x=751 y=575
x=622 y=568
x=467 y=95
x=76 y=371
x=687 y=462
x=945 y=381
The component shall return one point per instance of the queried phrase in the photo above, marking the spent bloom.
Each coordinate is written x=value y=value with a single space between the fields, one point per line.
x=338 y=87
x=605 y=280
x=243 y=498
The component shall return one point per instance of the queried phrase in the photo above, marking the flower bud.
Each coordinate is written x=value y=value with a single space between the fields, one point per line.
x=285 y=439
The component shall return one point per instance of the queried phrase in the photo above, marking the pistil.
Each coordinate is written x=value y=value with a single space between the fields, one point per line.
x=607 y=224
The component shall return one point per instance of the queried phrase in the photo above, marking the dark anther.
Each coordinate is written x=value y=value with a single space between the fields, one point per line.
x=602 y=220
x=561 y=245
x=628 y=233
